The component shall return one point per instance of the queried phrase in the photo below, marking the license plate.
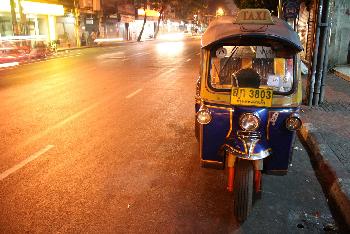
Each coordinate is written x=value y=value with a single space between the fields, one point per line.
x=251 y=97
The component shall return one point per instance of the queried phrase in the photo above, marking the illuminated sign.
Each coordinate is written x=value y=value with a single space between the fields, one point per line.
x=254 y=16
x=150 y=13
x=34 y=8
x=291 y=9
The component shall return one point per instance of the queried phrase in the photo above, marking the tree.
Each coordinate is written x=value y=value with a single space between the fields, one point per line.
x=184 y=10
x=161 y=5
x=138 y=4
x=268 y=4
x=15 y=28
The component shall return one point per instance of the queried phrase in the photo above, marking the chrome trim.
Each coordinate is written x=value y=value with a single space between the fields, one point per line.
x=243 y=155
x=220 y=107
x=249 y=134
x=198 y=86
x=201 y=142
x=273 y=105
x=212 y=164
x=230 y=130
x=198 y=99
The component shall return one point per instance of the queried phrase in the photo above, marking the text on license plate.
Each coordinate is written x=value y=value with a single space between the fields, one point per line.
x=251 y=97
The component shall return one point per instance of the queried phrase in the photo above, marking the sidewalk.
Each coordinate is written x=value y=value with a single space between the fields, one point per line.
x=343 y=72
x=97 y=45
x=326 y=131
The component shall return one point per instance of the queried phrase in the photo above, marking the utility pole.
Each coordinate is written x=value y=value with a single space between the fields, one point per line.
x=280 y=9
x=320 y=58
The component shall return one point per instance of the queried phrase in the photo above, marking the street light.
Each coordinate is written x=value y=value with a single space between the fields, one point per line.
x=220 y=12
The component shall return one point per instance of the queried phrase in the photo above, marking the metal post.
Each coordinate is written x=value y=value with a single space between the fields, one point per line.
x=323 y=24
x=279 y=9
x=325 y=65
x=315 y=54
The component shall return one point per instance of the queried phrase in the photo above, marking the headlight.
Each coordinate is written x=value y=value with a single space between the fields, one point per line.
x=293 y=122
x=249 y=122
x=203 y=115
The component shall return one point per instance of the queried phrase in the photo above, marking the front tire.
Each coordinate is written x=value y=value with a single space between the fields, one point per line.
x=243 y=189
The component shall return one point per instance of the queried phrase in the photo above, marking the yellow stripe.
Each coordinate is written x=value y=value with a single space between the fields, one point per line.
x=280 y=66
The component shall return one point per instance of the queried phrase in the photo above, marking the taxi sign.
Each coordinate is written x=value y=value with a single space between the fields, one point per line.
x=254 y=16
x=251 y=97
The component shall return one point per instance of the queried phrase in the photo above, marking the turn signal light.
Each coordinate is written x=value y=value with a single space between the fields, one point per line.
x=203 y=115
x=293 y=122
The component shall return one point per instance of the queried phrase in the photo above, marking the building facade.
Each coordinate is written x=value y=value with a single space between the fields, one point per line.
x=339 y=30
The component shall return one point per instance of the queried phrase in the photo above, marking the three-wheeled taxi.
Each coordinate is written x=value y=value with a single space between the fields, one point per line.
x=247 y=100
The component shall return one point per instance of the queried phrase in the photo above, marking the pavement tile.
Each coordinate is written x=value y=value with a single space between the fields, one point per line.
x=327 y=133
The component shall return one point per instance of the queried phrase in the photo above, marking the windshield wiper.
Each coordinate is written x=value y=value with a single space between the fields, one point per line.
x=233 y=51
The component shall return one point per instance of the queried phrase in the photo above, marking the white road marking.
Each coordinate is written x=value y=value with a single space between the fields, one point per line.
x=133 y=94
x=140 y=53
x=188 y=60
x=167 y=72
x=25 y=162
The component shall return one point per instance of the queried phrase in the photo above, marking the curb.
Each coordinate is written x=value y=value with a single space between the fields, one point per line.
x=96 y=46
x=341 y=75
x=334 y=179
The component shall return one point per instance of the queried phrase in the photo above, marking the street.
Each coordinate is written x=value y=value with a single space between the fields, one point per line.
x=102 y=141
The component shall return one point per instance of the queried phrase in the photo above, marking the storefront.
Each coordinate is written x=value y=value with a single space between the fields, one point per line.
x=89 y=28
x=40 y=18
x=126 y=24
x=130 y=29
x=65 y=30
x=113 y=28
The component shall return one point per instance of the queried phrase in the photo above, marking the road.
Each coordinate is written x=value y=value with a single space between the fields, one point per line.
x=102 y=141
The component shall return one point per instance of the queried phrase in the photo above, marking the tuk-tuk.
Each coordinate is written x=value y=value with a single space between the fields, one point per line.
x=247 y=101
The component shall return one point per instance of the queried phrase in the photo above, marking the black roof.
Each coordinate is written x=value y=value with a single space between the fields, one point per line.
x=224 y=28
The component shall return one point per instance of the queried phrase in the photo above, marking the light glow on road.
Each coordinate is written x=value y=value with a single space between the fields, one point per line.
x=4 y=65
x=101 y=40
x=33 y=37
x=172 y=36
x=170 y=49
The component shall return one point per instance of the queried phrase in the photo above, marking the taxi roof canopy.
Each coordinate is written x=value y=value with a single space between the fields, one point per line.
x=233 y=29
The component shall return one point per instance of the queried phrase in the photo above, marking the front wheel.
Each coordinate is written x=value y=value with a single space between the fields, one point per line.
x=243 y=189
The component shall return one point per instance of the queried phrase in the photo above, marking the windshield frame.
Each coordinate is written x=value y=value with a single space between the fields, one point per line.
x=212 y=51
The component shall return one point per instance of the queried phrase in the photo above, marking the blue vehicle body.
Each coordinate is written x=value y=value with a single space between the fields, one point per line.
x=223 y=129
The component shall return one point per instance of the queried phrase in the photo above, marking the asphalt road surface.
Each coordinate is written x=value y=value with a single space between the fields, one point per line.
x=102 y=141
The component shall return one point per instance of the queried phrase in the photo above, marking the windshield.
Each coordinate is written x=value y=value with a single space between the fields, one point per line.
x=250 y=66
